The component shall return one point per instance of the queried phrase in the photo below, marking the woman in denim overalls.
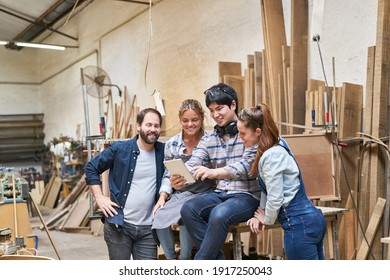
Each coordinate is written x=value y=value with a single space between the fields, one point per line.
x=283 y=192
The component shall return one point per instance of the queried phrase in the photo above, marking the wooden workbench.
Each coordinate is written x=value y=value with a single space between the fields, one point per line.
x=332 y=217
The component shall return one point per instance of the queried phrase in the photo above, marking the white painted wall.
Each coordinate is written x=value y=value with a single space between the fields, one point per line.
x=189 y=38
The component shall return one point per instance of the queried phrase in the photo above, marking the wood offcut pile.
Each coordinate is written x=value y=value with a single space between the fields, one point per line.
x=70 y=214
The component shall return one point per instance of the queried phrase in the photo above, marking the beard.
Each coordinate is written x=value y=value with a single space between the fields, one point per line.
x=145 y=136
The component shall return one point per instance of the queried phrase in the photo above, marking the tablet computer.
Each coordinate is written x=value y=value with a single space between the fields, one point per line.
x=177 y=166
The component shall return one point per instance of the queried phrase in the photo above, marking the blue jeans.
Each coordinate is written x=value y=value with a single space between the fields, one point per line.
x=209 y=216
x=304 y=230
x=166 y=238
x=131 y=240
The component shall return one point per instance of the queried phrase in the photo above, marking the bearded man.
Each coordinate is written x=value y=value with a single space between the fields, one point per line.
x=135 y=173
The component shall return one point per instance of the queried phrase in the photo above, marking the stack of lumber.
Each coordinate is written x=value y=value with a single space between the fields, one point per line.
x=278 y=77
x=72 y=214
x=374 y=185
x=125 y=114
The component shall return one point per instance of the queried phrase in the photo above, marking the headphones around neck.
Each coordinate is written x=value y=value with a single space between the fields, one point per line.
x=230 y=129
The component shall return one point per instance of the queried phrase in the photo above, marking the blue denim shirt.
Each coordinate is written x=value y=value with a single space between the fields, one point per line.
x=121 y=158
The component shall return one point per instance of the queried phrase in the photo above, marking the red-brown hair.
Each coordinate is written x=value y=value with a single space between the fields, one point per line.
x=260 y=117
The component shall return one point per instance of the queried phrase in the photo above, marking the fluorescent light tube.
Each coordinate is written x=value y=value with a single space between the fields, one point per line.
x=3 y=43
x=40 y=46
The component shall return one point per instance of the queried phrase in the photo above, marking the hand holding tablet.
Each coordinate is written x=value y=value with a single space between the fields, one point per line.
x=177 y=166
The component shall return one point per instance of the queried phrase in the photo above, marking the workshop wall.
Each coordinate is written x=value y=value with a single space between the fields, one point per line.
x=19 y=89
x=188 y=39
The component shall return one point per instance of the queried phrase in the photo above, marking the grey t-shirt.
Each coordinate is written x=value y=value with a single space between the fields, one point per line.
x=141 y=198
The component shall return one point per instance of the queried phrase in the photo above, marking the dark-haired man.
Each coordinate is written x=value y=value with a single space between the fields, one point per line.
x=136 y=169
x=220 y=155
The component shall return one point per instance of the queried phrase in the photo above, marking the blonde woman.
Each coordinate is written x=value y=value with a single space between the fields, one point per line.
x=167 y=209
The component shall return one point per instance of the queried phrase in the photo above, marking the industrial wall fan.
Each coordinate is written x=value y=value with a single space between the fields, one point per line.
x=97 y=81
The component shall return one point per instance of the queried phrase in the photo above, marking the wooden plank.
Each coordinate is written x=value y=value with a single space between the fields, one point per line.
x=10 y=132
x=72 y=197
x=349 y=125
x=47 y=189
x=265 y=97
x=228 y=68
x=38 y=190
x=351 y=110
x=53 y=219
x=274 y=39
x=78 y=213
x=122 y=127
x=53 y=193
x=372 y=228
x=308 y=109
x=120 y=120
x=34 y=124
x=10 y=148
x=250 y=58
x=23 y=135
x=368 y=110
x=258 y=76
x=321 y=111
x=238 y=83
x=299 y=61
x=22 y=117
x=313 y=84
x=282 y=129
x=286 y=83
x=84 y=230
x=380 y=122
x=347 y=231
x=247 y=97
x=363 y=195
x=337 y=102
x=313 y=152
x=129 y=117
x=252 y=87
x=115 y=122
x=251 y=80
x=381 y=72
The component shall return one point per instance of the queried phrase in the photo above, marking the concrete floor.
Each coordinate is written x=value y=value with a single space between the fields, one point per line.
x=69 y=246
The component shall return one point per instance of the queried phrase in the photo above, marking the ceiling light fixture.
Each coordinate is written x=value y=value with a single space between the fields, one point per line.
x=18 y=45
x=40 y=46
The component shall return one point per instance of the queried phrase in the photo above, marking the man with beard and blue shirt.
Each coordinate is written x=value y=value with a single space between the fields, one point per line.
x=135 y=173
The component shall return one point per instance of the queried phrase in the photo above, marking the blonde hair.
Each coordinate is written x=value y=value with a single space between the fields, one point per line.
x=192 y=104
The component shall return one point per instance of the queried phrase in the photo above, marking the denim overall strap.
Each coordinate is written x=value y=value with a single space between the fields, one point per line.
x=262 y=187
